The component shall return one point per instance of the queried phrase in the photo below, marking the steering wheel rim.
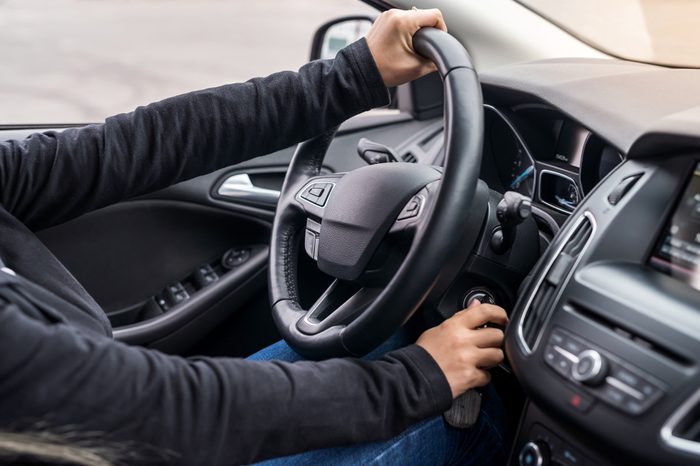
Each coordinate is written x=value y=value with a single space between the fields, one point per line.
x=439 y=230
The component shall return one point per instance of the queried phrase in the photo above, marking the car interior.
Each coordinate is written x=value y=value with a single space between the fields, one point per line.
x=536 y=172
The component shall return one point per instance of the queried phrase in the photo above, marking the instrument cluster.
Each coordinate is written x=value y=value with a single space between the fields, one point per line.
x=537 y=151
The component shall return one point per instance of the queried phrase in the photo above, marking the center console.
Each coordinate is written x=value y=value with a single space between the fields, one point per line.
x=605 y=337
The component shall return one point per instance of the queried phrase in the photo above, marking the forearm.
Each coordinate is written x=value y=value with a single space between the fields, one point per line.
x=52 y=177
x=305 y=406
x=206 y=411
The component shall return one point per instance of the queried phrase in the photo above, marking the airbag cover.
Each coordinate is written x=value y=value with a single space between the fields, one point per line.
x=360 y=211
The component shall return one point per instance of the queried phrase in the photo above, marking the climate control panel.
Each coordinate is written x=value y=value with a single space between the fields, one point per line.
x=603 y=375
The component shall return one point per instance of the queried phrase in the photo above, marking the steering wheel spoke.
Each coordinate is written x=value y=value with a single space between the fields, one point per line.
x=338 y=305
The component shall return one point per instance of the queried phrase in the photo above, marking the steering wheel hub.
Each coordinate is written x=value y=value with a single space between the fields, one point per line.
x=363 y=207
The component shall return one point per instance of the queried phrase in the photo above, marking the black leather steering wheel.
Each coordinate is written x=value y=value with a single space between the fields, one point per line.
x=345 y=221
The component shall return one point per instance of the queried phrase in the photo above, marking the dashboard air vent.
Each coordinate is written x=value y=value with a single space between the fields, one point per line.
x=409 y=157
x=682 y=430
x=542 y=301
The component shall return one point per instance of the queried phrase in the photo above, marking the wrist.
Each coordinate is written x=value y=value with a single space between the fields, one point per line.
x=370 y=79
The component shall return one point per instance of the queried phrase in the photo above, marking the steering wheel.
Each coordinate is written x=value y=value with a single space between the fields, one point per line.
x=354 y=223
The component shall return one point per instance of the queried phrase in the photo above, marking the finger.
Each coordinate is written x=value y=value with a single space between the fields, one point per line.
x=441 y=20
x=489 y=357
x=474 y=303
x=488 y=337
x=482 y=378
x=429 y=18
x=484 y=314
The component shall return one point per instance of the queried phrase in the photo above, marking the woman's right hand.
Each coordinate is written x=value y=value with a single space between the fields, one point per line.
x=463 y=349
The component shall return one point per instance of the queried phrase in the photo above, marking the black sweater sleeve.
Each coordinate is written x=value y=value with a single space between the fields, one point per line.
x=52 y=177
x=206 y=410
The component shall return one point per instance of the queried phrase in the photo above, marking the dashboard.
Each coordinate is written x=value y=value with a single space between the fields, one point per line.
x=605 y=335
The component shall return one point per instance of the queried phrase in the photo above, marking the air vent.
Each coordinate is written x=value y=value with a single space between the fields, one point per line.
x=541 y=303
x=682 y=430
x=409 y=157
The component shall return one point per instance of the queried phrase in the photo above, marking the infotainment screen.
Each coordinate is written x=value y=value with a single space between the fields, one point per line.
x=678 y=250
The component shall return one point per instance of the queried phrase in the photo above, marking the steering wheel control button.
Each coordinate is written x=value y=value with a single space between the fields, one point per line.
x=534 y=454
x=235 y=257
x=311 y=244
x=591 y=368
x=317 y=193
x=412 y=209
x=311 y=238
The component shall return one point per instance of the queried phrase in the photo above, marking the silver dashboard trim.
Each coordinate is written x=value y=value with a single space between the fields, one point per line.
x=587 y=215
x=570 y=356
x=624 y=388
x=666 y=433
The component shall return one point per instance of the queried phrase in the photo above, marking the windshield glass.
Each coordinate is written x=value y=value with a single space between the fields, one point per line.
x=665 y=32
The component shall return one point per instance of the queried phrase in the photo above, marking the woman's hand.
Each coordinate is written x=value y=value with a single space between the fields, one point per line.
x=463 y=349
x=391 y=42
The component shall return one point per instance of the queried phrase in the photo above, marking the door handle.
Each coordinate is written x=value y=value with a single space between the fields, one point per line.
x=239 y=187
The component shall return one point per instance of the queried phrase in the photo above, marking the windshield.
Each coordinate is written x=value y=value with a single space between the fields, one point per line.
x=665 y=32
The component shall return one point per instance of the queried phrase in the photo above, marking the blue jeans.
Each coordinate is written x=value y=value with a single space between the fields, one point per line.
x=431 y=442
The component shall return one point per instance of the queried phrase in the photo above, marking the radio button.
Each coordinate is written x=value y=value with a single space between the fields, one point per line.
x=573 y=346
x=633 y=406
x=613 y=396
x=556 y=338
x=627 y=377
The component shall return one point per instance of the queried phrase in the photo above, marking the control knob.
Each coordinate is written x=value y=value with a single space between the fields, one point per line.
x=591 y=368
